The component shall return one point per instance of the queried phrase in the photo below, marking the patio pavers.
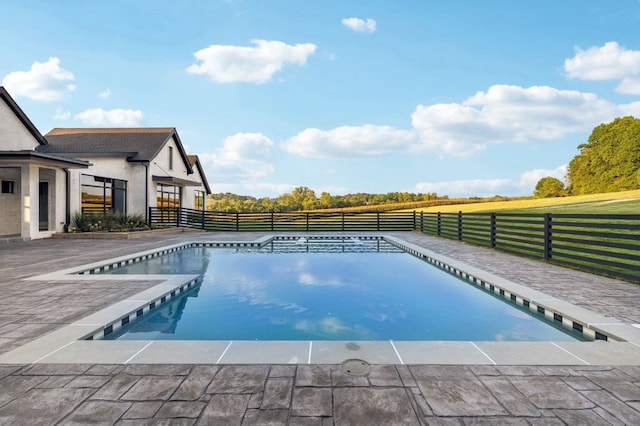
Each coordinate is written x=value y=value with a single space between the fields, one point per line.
x=295 y=394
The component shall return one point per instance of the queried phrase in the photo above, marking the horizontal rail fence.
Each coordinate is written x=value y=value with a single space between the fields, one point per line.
x=214 y=221
x=605 y=244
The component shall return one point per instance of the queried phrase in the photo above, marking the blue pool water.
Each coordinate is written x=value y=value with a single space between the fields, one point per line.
x=335 y=290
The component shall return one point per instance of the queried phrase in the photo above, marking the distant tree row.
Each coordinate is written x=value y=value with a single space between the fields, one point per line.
x=608 y=162
x=303 y=198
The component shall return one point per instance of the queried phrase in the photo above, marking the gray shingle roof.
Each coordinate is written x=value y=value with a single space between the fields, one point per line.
x=137 y=144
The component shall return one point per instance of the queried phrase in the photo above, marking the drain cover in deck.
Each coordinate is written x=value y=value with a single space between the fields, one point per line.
x=355 y=367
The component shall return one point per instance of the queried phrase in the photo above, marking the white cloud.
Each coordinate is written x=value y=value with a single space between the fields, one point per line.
x=502 y=114
x=45 y=81
x=255 y=189
x=105 y=94
x=468 y=188
x=630 y=109
x=243 y=156
x=360 y=25
x=608 y=62
x=349 y=142
x=256 y=64
x=529 y=179
x=111 y=118
x=62 y=114
x=490 y=187
x=507 y=114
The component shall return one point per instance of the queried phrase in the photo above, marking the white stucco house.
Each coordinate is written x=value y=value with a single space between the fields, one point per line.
x=46 y=178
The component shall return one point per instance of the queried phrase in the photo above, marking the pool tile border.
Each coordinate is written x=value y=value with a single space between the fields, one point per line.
x=592 y=325
x=76 y=343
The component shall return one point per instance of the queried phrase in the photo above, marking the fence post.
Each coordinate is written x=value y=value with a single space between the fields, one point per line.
x=547 y=236
x=438 y=224
x=460 y=225
x=378 y=221
x=237 y=221
x=149 y=218
x=177 y=217
x=307 y=226
x=494 y=230
x=272 y=221
x=422 y=222
x=203 y=218
x=343 y=221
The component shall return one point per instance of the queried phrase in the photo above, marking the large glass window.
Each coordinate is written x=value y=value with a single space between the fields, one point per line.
x=168 y=196
x=101 y=195
x=199 y=202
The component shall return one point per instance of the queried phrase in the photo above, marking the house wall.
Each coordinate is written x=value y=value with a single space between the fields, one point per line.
x=59 y=201
x=190 y=191
x=10 y=203
x=19 y=212
x=30 y=175
x=13 y=134
x=159 y=166
x=114 y=168
x=137 y=196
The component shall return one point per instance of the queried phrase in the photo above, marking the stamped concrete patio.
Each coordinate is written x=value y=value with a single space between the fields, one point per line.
x=295 y=394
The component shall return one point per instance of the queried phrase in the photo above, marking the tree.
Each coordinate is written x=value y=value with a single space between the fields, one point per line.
x=609 y=161
x=548 y=187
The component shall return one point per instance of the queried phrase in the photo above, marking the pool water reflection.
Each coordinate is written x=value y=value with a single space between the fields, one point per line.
x=327 y=290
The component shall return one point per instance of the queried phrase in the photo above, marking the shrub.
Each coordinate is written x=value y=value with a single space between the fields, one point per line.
x=112 y=221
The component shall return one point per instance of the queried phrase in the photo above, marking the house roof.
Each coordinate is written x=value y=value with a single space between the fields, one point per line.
x=52 y=159
x=137 y=144
x=195 y=162
x=4 y=95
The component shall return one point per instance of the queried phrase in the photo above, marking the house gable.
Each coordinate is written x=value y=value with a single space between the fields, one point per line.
x=171 y=158
x=17 y=132
x=199 y=172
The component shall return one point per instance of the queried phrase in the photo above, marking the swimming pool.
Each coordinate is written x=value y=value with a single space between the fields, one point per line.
x=327 y=289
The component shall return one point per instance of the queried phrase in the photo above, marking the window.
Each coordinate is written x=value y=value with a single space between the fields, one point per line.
x=101 y=195
x=199 y=202
x=170 y=158
x=168 y=196
x=8 y=187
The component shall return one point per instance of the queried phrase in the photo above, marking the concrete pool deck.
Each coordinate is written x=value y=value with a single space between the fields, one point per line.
x=545 y=390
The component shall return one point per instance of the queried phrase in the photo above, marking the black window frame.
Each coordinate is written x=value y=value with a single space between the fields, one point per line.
x=112 y=193
x=201 y=196
x=171 y=194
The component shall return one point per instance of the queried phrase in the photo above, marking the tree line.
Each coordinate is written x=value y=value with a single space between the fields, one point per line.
x=608 y=162
x=303 y=198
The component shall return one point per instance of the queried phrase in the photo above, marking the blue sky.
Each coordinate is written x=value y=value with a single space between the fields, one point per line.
x=458 y=97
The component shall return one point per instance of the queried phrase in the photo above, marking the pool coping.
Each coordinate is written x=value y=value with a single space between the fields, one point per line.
x=67 y=344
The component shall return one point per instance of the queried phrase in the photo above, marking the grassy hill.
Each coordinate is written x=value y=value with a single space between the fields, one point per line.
x=626 y=202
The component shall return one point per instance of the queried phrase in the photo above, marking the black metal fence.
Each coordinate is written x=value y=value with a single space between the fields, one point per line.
x=212 y=221
x=605 y=244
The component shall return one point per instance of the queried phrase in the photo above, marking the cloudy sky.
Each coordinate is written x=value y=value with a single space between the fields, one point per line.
x=458 y=97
